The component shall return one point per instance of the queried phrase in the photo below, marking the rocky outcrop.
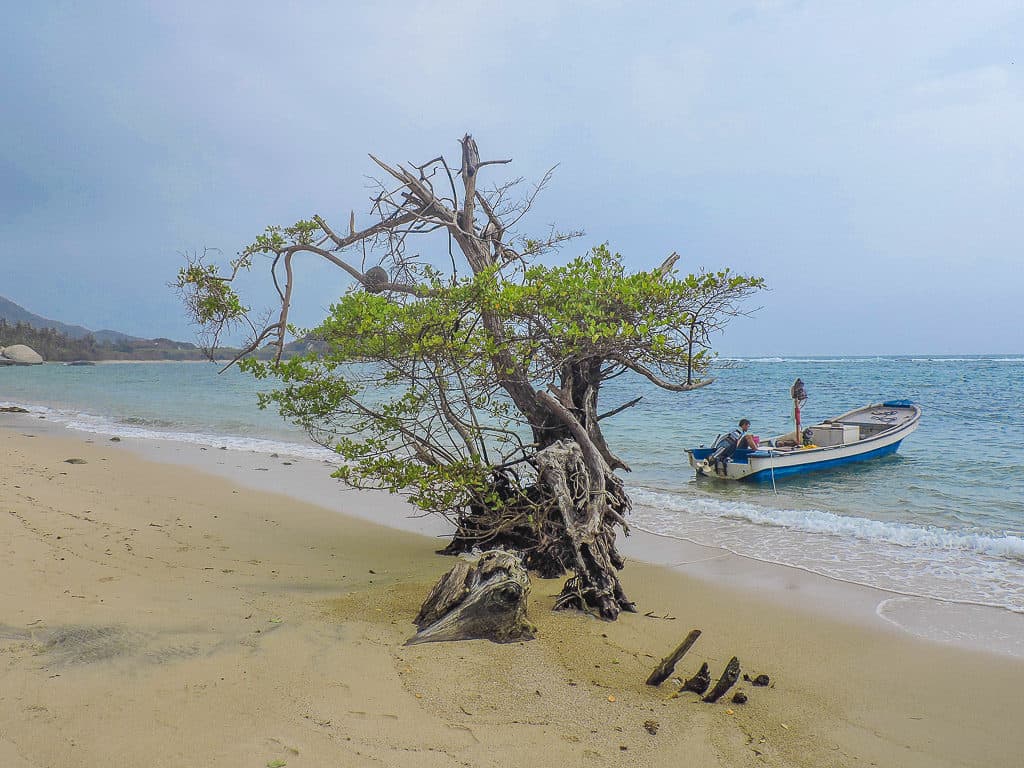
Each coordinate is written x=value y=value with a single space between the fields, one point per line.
x=19 y=354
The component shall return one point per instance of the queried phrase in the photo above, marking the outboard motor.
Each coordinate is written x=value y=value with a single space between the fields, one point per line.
x=724 y=447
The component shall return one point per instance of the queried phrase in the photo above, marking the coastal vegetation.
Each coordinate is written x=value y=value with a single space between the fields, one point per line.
x=48 y=342
x=56 y=346
x=471 y=382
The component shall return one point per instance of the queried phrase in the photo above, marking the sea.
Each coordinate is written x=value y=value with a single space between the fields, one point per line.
x=943 y=518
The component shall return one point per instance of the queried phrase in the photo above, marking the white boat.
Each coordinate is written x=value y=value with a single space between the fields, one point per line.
x=858 y=435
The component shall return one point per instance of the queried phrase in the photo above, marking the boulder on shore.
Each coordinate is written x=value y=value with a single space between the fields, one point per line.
x=19 y=354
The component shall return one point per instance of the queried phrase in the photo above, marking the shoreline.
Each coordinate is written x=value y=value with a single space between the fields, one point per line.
x=146 y=600
x=894 y=527
x=963 y=623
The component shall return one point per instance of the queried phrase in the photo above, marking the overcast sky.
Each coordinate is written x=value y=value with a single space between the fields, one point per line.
x=866 y=158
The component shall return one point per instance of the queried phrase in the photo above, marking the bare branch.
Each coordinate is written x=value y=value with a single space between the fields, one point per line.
x=656 y=380
x=382 y=226
x=252 y=346
x=666 y=266
x=621 y=408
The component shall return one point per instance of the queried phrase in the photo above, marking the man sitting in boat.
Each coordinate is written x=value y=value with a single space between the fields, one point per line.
x=726 y=445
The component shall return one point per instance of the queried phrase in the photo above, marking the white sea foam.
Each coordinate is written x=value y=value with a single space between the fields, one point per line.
x=810 y=360
x=818 y=521
x=926 y=561
x=161 y=430
x=967 y=359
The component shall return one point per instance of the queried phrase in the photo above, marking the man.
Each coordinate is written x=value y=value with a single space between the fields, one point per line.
x=726 y=446
x=742 y=436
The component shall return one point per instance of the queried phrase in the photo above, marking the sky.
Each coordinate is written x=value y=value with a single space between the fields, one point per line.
x=864 y=158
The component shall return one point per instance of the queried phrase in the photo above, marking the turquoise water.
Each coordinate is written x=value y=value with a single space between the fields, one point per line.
x=943 y=518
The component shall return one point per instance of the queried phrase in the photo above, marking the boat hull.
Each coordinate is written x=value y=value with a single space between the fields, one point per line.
x=769 y=464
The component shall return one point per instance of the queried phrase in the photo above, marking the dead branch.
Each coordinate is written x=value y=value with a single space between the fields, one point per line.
x=699 y=682
x=620 y=409
x=725 y=682
x=668 y=664
x=667 y=265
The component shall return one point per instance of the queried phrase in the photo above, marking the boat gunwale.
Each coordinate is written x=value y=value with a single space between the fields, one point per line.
x=863 y=441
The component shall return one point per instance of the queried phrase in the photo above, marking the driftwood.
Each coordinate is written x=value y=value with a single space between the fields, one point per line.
x=726 y=681
x=699 y=682
x=479 y=599
x=668 y=664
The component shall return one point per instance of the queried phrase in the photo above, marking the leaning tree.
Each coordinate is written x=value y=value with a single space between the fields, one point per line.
x=469 y=377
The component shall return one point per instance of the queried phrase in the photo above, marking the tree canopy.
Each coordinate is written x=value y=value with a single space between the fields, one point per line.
x=475 y=388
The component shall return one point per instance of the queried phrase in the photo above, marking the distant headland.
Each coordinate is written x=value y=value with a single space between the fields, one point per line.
x=60 y=342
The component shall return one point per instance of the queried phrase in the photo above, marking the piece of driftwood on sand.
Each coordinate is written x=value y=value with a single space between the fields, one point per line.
x=668 y=664
x=726 y=681
x=484 y=598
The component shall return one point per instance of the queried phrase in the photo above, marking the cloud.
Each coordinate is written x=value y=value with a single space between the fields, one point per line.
x=767 y=135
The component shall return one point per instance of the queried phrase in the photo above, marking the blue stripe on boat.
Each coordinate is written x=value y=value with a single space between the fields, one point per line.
x=766 y=474
x=739 y=456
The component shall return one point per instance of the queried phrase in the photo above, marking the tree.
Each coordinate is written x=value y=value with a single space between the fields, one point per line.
x=475 y=389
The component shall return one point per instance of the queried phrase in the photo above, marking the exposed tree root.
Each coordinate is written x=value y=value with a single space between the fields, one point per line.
x=565 y=522
x=668 y=664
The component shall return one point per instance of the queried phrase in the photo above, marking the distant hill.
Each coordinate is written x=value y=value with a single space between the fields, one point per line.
x=15 y=313
x=113 y=337
x=58 y=341
x=55 y=340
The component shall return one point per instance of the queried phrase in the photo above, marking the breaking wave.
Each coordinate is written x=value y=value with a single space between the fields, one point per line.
x=901 y=557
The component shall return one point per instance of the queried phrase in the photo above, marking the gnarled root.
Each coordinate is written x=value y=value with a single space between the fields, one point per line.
x=566 y=521
x=591 y=502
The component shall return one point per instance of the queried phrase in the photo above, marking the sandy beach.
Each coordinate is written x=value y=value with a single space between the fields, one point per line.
x=155 y=614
